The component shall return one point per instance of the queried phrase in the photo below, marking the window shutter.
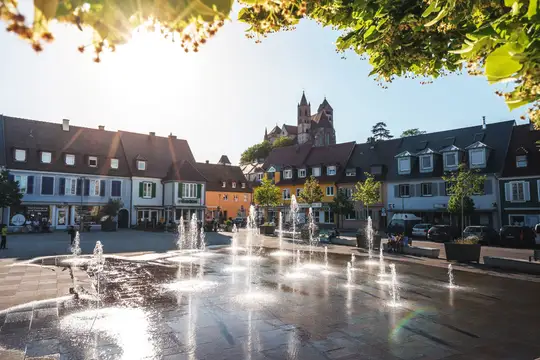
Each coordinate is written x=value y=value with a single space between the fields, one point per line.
x=418 y=189
x=62 y=186
x=30 y=185
x=412 y=190
x=102 y=188
x=396 y=191
x=527 y=190
x=86 y=187
x=508 y=191
x=153 y=190
x=442 y=189
x=199 y=190
x=79 y=186
x=435 y=189
x=141 y=189
x=180 y=190
x=488 y=187
x=11 y=177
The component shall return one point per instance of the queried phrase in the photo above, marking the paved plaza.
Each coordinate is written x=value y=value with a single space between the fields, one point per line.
x=150 y=309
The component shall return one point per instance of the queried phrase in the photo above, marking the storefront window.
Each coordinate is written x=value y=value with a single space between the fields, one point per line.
x=90 y=214
x=24 y=215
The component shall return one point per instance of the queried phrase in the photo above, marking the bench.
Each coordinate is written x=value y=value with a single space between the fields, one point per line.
x=512 y=264
x=418 y=251
x=535 y=256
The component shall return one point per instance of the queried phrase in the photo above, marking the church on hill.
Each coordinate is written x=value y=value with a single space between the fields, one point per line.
x=316 y=128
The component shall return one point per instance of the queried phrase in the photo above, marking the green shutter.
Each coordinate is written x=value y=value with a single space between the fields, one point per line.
x=180 y=190
x=153 y=190
x=199 y=189
x=141 y=189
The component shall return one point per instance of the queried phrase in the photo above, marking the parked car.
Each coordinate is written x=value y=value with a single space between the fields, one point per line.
x=442 y=233
x=240 y=222
x=517 y=236
x=421 y=230
x=486 y=234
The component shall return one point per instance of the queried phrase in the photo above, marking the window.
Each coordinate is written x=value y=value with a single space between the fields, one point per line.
x=298 y=191
x=348 y=192
x=234 y=185
x=329 y=191
x=70 y=159
x=245 y=198
x=92 y=161
x=260 y=176
x=223 y=184
x=20 y=155
x=426 y=189
x=147 y=190
x=477 y=157
x=448 y=188
x=226 y=197
x=521 y=161
x=350 y=172
x=426 y=162
x=517 y=191
x=95 y=187
x=23 y=182
x=243 y=185
x=47 y=185
x=190 y=191
x=70 y=187
x=404 y=165
x=116 y=188
x=316 y=171
x=450 y=160
x=404 y=190
x=286 y=194
x=301 y=173
x=331 y=170
x=376 y=169
x=114 y=163
x=46 y=157
x=287 y=174
x=141 y=165
x=235 y=198
x=350 y=215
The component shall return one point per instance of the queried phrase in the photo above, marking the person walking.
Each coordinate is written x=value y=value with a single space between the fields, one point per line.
x=72 y=233
x=3 y=244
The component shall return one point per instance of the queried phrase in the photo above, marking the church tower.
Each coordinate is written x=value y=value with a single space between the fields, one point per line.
x=304 y=120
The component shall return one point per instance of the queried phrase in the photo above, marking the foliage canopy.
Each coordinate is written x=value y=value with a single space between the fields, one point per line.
x=312 y=192
x=10 y=194
x=267 y=194
x=341 y=205
x=412 y=132
x=368 y=192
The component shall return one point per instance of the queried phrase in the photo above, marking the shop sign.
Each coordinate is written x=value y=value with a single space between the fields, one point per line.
x=38 y=209
x=439 y=206
x=18 y=220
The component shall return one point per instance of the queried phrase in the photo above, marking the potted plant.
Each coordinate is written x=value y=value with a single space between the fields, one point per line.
x=267 y=228
x=228 y=225
x=109 y=212
x=463 y=250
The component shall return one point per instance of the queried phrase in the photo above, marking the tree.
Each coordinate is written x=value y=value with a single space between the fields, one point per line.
x=111 y=208
x=412 y=132
x=368 y=192
x=10 y=194
x=283 y=141
x=454 y=205
x=256 y=152
x=267 y=194
x=341 y=205
x=463 y=184
x=311 y=193
x=409 y=38
x=380 y=132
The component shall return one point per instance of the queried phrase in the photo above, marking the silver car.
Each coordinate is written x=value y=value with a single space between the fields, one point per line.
x=421 y=230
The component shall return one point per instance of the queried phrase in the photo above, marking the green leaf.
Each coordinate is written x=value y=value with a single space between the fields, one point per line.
x=509 y=3
x=430 y=9
x=440 y=15
x=531 y=11
x=515 y=8
x=514 y=104
x=464 y=50
x=500 y=64
x=369 y=31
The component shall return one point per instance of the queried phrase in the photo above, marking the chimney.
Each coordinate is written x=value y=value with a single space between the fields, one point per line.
x=208 y=161
x=101 y=127
x=152 y=133
x=171 y=136
x=483 y=123
x=65 y=124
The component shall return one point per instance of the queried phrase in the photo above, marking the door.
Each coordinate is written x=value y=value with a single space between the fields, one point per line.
x=123 y=219
x=62 y=217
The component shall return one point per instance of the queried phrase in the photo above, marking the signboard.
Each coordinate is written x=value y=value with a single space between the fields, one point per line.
x=439 y=206
x=43 y=209
x=18 y=220
x=383 y=212
x=188 y=201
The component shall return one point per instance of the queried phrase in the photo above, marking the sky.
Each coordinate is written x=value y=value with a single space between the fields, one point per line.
x=222 y=98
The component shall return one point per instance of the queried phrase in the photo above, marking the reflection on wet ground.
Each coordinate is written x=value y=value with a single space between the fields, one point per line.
x=184 y=306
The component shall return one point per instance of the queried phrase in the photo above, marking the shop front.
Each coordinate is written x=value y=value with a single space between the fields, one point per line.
x=29 y=218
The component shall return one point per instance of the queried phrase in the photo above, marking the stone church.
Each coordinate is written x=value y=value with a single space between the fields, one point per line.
x=316 y=128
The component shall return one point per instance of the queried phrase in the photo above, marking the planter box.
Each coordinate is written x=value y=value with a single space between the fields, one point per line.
x=108 y=226
x=422 y=251
x=523 y=266
x=462 y=252
x=267 y=230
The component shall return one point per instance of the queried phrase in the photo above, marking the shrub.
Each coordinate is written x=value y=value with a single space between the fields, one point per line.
x=228 y=223
x=469 y=240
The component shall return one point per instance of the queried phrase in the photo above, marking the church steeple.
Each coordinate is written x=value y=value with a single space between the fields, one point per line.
x=303 y=100
x=325 y=105
x=265 y=133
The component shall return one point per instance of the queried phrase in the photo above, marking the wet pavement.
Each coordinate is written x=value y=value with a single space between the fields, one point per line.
x=185 y=306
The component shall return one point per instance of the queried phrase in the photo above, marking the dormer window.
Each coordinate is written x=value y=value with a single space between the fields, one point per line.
x=70 y=159
x=331 y=170
x=451 y=160
x=287 y=174
x=20 y=155
x=243 y=185
x=223 y=184
x=114 y=163
x=316 y=171
x=234 y=184
x=477 y=157
x=301 y=173
x=350 y=172
x=141 y=165
x=260 y=176
x=46 y=157
x=92 y=161
x=521 y=161
x=426 y=163
x=404 y=162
